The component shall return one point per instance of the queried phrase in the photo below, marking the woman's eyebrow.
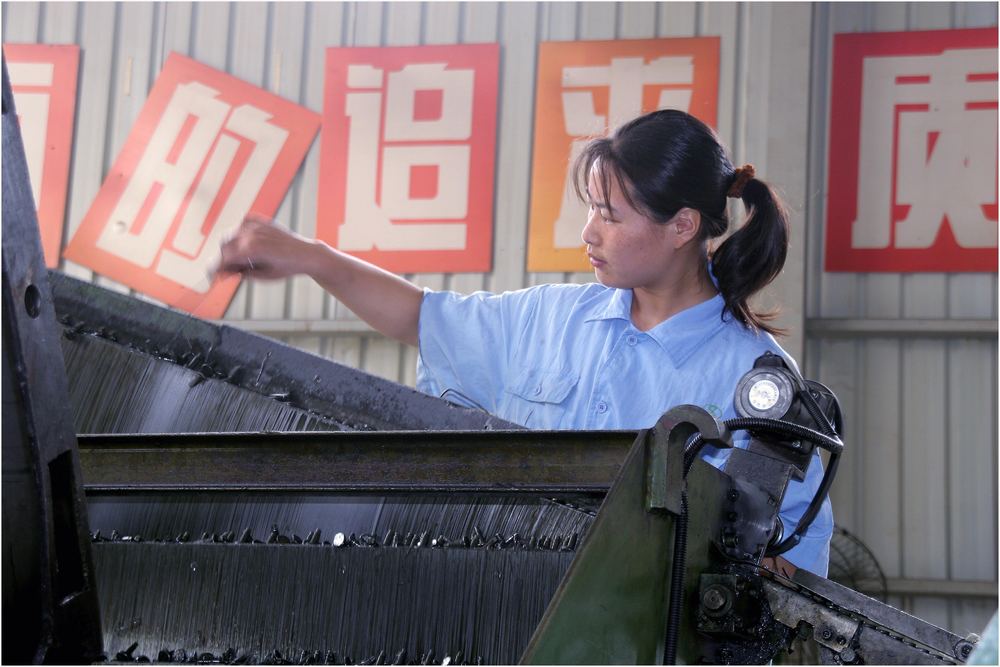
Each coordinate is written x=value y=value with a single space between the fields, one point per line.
x=604 y=205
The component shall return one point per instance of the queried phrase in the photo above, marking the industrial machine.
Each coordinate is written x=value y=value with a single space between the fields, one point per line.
x=178 y=491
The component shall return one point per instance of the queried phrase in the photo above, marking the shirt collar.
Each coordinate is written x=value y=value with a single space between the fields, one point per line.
x=616 y=305
x=684 y=333
x=680 y=335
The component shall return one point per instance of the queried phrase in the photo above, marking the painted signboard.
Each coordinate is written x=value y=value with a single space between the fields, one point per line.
x=206 y=150
x=406 y=168
x=584 y=88
x=913 y=152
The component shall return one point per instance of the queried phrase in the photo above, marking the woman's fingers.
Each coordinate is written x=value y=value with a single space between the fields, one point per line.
x=260 y=249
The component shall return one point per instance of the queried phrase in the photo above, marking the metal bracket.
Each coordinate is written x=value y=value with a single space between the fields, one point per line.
x=667 y=442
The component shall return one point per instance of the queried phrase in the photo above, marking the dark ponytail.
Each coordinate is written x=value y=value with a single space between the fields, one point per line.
x=750 y=259
x=668 y=160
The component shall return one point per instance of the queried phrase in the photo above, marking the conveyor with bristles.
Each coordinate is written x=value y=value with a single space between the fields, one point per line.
x=134 y=367
x=222 y=531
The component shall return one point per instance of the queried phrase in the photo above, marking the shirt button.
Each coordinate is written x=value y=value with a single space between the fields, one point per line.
x=537 y=390
x=631 y=340
x=602 y=407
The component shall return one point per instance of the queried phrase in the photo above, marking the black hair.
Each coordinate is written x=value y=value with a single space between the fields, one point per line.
x=668 y=160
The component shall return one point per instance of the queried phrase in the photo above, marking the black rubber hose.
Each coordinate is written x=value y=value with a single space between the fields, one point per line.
x=677 y=572
x=824 y=486
x=807 y=517
x=830 y=443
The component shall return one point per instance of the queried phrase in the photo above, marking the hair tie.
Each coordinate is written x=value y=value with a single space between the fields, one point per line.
x=740 y=178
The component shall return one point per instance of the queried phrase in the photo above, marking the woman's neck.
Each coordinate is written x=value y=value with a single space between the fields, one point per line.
x=654 y=304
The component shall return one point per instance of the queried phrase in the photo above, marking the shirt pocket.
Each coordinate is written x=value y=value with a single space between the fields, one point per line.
x=540 y=398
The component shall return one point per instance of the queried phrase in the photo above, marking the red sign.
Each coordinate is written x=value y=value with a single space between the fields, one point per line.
x=584 y=88
x=205 y=150
x=406 y=168
x=913 y=152
x=43 y=80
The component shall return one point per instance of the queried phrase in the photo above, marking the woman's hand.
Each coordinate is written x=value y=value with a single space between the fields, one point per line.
x=261 y=249
x=387 y=302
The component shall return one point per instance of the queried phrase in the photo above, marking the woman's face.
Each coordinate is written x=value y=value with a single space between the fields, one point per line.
x=626 y=248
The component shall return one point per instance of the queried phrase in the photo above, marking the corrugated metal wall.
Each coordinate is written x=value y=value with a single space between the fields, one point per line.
x=914 y=358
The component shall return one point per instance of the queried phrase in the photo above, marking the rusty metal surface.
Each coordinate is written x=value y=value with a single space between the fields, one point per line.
x=492 y=460
x=878 y=616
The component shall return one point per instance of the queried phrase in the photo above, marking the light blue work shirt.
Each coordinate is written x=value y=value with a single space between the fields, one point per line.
x=568 y=357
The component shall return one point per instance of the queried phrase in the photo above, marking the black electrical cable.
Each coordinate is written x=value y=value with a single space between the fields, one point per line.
x=677 y=572
x=830 y=443
x=833 y=430
x=679 y=567
x=807 y=517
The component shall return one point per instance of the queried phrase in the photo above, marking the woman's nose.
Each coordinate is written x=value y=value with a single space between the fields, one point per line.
x=589 y=234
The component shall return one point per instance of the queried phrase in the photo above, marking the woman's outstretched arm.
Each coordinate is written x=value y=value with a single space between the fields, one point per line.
x=263 y=250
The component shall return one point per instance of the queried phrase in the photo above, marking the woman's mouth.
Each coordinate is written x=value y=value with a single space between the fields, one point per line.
x=595 y=262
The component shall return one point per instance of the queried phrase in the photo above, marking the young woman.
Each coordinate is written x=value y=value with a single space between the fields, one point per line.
x=667 y=323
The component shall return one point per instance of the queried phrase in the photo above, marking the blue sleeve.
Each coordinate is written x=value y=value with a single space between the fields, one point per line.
x=813 y=550
x=464 y=343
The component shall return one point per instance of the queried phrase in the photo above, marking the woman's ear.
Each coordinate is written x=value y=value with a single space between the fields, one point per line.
x=687 y=225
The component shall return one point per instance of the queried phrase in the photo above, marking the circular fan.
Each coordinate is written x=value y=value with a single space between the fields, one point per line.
x=853 y=564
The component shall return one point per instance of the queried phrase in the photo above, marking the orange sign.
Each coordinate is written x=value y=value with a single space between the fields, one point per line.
x=406 y=169
x=583 y=89
x=205 y=150
x=43 y=80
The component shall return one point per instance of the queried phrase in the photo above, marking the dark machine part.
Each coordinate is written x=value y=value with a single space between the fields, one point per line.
x=49 y=597
x=419 y=574
x=745 y=614
x=751 y=615
x=733 y=608
x=360 y=603
x=787 y=417
x=135 y=367
x=484 y=546
x=459 y=563
x=853 y=629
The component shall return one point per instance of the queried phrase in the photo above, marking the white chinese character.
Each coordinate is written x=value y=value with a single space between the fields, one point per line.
x=373 y=205
x=945 y=154
x=167 y=188
x=625 y=78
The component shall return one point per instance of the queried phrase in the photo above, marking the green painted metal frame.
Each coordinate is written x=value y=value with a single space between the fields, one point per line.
x=611 y=607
